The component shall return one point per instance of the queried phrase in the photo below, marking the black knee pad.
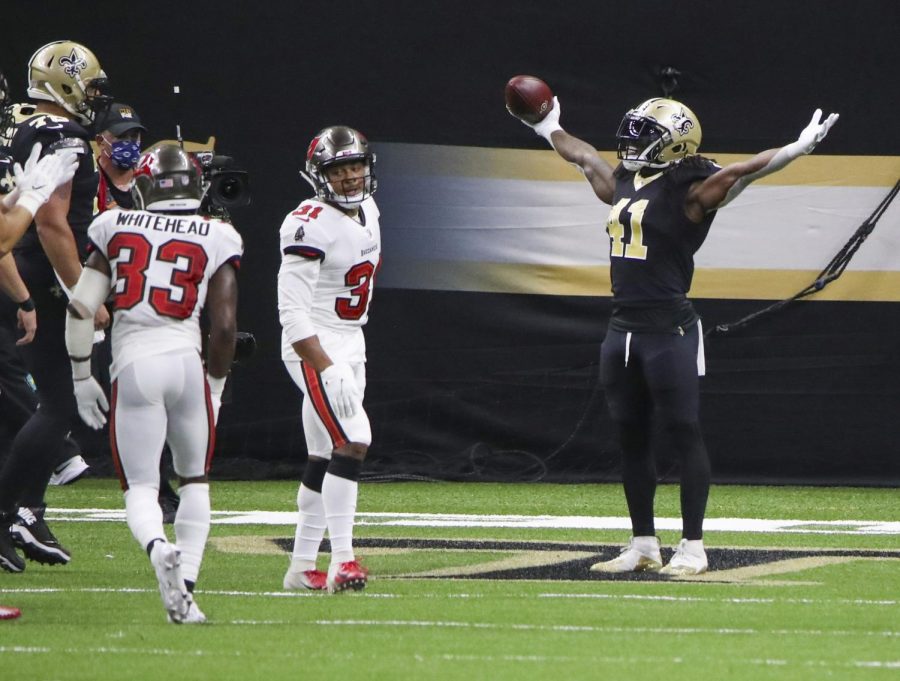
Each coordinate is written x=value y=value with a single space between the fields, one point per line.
x=314 y=473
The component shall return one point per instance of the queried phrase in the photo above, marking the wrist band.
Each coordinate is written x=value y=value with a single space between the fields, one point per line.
x=26 y=305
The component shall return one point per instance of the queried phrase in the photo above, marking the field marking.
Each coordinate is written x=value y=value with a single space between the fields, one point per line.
x=440 y=596
x=590 y=628
x=285 y=518
x=452 y=657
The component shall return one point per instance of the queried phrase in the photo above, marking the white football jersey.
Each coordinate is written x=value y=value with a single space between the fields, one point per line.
x=328 y=266
x=161 y=266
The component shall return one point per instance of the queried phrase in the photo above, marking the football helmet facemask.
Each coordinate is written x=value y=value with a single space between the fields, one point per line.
x=66 y=73
x=656 y=133
x=7 y=122
x=167 y=179
x=332 y=146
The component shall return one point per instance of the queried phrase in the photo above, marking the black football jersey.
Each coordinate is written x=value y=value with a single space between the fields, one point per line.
x=110 y=196
x=7 y=183
x=53 y=132
x=652 y=244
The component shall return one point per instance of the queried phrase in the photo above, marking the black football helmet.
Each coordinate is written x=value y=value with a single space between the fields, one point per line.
x=167 y=179
x=334 y=145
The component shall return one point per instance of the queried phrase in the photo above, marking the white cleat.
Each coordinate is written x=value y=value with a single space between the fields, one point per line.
x=69 y=471
x=641 y=555
x=194 y=614
x=689 y=559
x=166 y=561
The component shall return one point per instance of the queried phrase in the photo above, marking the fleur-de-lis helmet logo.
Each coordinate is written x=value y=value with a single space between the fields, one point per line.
x=73 y=64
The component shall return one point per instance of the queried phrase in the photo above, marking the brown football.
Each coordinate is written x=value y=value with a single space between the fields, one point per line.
x=528 y=98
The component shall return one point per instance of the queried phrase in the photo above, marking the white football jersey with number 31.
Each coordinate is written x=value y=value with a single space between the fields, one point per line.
x=328 y=266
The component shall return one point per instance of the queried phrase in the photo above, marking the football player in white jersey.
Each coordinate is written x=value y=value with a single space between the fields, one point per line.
x=331 y=250
x=163 y=264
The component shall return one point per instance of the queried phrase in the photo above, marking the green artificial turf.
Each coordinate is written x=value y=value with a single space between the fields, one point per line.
x=100 y=617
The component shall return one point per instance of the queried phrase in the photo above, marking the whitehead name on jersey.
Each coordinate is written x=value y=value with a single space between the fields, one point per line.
x=161 y=266
x=328 y=266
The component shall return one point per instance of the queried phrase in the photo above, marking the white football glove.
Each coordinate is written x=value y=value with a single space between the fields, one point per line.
x=92 y=403
x=341 y=389
x=37 y=183
x=10 y=199
x=815 y=132
x=549 y=123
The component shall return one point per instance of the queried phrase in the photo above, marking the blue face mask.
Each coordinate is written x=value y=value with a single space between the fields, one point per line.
x=125 y=153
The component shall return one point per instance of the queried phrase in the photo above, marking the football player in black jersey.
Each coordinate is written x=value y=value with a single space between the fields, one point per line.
x=664 y=198
x=63 y=77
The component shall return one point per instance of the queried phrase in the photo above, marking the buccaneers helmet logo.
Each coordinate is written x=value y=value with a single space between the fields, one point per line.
x=73 y=64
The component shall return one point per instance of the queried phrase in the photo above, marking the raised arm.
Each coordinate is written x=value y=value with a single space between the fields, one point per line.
x=720 y=188
x=576 y=151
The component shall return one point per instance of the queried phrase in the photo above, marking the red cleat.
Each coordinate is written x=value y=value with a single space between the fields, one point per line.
x=349 y=575
x=7 y=613
x=313 y=580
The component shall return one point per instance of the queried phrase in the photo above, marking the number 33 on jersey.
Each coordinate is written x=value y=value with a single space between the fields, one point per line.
x=161 y=266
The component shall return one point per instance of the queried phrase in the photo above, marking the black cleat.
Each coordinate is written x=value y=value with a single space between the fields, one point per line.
x=10 y=560
x=31 y=534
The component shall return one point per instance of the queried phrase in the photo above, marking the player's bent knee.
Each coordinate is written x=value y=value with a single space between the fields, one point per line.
x=355 y=450
x=195 y=479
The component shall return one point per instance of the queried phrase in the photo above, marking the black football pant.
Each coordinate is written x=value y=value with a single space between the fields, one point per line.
x=657 y=393
x=18 y=399
x=37 y=447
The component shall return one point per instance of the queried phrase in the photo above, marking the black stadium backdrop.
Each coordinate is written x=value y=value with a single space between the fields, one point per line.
x=482 y=385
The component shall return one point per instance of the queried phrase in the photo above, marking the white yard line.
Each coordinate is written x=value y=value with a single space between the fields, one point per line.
x=445 y=657
x=867 y=603
x=440 y=520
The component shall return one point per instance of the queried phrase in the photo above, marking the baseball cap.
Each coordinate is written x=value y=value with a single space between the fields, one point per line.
x=119 y=119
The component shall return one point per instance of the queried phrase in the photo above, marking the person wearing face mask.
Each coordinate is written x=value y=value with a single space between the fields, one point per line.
x=119 y=142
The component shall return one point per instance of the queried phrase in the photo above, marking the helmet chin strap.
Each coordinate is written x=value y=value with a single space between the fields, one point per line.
x=82 y=118
x=635 y=164
x=351 y=201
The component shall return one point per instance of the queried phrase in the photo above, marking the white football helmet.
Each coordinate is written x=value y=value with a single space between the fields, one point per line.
x=334 y=145
x=656 y=133
x=62 y=72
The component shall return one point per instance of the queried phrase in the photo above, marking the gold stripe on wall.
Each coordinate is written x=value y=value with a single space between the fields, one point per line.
x=593 y=280
x=529 y=164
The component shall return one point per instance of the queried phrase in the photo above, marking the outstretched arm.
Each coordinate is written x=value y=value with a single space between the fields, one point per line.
x=578 y=152
x=720 y=188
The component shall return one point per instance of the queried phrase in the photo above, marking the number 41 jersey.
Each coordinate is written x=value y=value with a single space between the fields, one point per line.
x=161 y=266
x=328 y=265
